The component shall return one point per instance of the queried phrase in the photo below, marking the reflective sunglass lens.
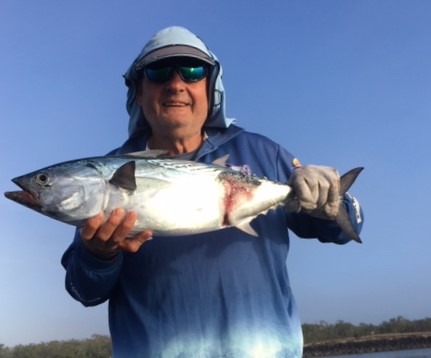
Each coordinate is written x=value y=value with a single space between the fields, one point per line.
x=159 y=75
x=187 y=73
x=192 y=74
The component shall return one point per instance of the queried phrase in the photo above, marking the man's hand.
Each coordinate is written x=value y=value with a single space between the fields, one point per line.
x=317 y=190
x=106 y=239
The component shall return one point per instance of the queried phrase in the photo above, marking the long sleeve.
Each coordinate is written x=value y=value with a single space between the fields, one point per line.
x=306 y=226
x=88 y=279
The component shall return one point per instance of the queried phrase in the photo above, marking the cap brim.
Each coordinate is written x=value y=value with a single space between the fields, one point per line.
x=173 y=51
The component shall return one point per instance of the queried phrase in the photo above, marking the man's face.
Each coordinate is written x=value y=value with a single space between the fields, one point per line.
x=174 y=108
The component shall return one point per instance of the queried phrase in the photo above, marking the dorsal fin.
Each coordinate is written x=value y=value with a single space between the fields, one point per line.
x=221 y=162
x=153 y=153
x=124 y=176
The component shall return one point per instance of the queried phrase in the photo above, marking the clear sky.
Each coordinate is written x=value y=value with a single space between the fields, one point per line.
x=343 y=83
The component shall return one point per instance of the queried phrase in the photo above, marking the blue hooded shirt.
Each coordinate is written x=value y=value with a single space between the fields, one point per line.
x=217 y=294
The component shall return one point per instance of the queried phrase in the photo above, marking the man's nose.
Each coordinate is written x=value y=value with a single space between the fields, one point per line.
x=176 y=80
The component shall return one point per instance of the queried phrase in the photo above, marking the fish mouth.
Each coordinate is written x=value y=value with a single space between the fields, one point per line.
x=24 y=197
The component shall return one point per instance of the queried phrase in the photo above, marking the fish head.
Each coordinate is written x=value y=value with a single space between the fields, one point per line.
x=69 y=192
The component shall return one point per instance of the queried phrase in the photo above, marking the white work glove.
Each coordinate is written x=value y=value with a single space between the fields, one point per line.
x=317 y=191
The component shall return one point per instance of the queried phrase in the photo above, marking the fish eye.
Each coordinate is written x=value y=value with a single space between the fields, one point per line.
x=42 y=179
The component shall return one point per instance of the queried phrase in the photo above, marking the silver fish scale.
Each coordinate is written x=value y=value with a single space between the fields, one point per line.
x=185 y=166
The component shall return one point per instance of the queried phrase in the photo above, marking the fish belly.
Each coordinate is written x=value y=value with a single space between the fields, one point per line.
x=196 y=202
x=185 y=206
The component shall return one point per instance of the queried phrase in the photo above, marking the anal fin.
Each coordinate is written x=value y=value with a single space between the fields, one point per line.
x=246 y=227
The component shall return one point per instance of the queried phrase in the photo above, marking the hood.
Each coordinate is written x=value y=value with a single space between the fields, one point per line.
x=160 y=46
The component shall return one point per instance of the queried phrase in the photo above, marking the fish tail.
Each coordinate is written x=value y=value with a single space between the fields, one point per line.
x=343 y=218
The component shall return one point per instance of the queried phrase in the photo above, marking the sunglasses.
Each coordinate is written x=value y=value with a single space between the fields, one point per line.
x=162 y=73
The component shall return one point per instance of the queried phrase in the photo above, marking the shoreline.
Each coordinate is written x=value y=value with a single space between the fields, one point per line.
x=369 y=344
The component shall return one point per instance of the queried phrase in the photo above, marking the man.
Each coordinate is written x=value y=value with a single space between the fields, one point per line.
x=218 y=294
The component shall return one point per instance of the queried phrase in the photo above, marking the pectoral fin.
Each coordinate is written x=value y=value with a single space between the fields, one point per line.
x=124 y=177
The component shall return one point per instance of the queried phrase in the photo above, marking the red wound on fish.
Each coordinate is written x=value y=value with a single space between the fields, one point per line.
x=237 y=187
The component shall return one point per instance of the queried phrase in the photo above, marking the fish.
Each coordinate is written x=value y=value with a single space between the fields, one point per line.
x=171 y=197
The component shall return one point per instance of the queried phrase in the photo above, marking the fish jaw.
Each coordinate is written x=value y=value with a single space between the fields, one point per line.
x=24 y=198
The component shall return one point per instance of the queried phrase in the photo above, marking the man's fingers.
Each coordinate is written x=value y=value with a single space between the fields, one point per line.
x=122 y=230
x=106 y=239
x=133 y=244
x=107 y=229
x=333 y=200
x=306 y=190
x=317 y=188
x=91 y=226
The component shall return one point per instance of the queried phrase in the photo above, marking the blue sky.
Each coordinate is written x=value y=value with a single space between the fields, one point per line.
x=343 y=83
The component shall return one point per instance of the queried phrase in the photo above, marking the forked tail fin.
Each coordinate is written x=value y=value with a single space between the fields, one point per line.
x=343 y=219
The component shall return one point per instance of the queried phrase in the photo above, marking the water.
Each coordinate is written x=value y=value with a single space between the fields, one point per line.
x=412 y=353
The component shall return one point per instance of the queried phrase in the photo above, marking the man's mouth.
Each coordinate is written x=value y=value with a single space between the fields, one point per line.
x=175 y=104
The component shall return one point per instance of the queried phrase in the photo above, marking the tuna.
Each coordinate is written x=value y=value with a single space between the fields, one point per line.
x=171 y=197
